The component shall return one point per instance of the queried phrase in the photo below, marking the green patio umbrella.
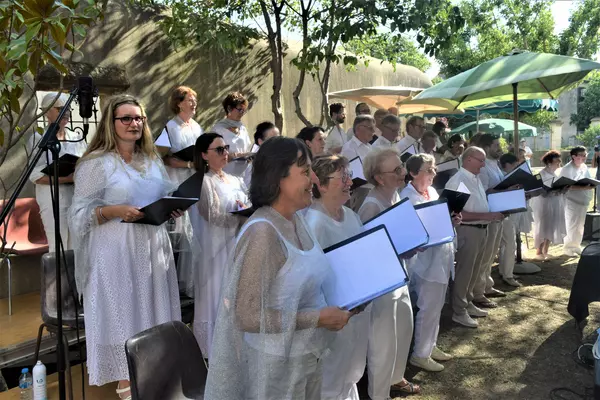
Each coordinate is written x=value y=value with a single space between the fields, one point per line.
x=496 y=125
x=519 y=75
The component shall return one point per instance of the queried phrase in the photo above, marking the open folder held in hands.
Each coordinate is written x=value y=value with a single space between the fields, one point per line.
x=508 y=202
x=363 y=267
x=184 y=197
x=457 y=199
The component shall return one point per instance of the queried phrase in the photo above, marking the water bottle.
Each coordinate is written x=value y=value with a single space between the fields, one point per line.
x=39 y=382
x=25 y=384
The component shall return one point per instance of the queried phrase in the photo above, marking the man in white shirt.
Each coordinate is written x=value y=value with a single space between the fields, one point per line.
x=490 y=176
x=528 y=152
x=360 y=109
x=428 y=145
x=358 y=146
x=390 y=130
x=415 y=127
x=472 y=235
x=336 y=137
x=379 y=115
x=577 y=201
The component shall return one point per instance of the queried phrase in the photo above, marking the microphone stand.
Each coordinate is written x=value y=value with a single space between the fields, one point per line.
x=50 y=143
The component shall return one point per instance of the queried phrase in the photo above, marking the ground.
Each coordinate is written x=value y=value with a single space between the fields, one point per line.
x=523 y=350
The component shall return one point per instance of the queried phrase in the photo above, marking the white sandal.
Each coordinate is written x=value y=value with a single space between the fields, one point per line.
x=122 y=391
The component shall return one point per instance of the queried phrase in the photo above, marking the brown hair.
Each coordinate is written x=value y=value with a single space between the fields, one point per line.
x=177 y=96
x=325 y=165
x=550 y=156
x=105 y=139
x=232 y=100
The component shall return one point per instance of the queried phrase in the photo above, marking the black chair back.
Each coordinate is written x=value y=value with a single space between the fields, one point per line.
x=70 y=297
x=165 y=362
x=586 y=283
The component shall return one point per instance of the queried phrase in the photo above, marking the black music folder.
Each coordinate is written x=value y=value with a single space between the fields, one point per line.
x=435 y=217
x=406 y=153
x=363 y=267
x=186 y=154
x=508 y=202
x=186 y=195
x=66 y=165
x=457 y=199
x=403 y=224
x=521 y=175
x=244 y=212
x=445 y=171
x=358 y=176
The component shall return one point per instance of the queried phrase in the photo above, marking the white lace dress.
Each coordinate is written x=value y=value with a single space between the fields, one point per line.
x=125 y=272
x=180 y=136
x=548 y=214
x=216 y=237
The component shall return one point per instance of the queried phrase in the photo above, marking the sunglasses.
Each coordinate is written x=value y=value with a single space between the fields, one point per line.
x=221 y=149
x=128 y=120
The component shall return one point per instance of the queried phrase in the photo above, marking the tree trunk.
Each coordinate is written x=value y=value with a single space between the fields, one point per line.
x=305 y=45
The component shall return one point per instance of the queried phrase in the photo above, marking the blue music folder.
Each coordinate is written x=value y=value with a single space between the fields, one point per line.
x=363 y=267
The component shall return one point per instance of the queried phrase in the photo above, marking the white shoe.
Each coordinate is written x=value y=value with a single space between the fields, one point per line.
x=578 y=250
x=570 y=252
x=512 y=282
x=428 y=364
x=475 y=311
x=439 y=355
x=465 y=320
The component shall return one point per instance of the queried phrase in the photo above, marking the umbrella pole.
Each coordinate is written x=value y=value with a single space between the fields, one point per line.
x=520 y=265
x=477 y=123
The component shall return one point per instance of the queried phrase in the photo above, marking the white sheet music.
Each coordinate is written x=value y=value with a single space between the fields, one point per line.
x=363 y=270
x=463 y=188
x=163 y=139
x=404 y=226
x=437 y=222
x=255 y=148
x=448 y=165
x=512 y=200
x=357 y=168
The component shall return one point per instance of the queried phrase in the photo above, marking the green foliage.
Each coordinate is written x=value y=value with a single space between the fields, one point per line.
x=540 y=119
x=588 y=137
x=34 y=33
x=589 y=107
x=395 y=49
x=495 y=27
x=503 y=144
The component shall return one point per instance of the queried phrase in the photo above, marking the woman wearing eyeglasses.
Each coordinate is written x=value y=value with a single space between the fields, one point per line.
x=179 y=133
x=125 y=271
x=429 y=270
x=234 y=133
x=332 y=223
x=391 y=315
x=221 y=194
x=577 y=200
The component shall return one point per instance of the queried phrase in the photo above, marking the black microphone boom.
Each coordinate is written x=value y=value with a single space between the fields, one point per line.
x=85 y=97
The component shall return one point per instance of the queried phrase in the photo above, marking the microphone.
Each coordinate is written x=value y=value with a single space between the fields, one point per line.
x=85 y=98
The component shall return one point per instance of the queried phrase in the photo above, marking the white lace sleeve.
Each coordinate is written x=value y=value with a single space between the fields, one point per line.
x=212 y=209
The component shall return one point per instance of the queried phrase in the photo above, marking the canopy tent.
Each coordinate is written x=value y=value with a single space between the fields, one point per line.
x=377 y=96
x=497 y=126
x=519 y=75
x=498 y=107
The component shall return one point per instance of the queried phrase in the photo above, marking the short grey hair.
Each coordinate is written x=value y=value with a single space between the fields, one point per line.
x=373 y=160
x=362 y=118
x=415 y=163
x=471 y=150
x=391 y=119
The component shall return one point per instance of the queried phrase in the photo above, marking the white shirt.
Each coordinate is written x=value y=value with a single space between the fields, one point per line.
x=581 y=197
x=239 y=143
x=477 y=202
x=406 y=142
x=355 y=148
x=382 y=143
x=335 y=138
x=491 y=175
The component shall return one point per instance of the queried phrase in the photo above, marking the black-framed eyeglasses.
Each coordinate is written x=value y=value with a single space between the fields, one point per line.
x=369 y=127
x=221 y=149
x=398 y=171
x=128 y=120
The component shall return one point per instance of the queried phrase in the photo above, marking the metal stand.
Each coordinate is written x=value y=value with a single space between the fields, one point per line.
x=50 y=143
x=523 y=267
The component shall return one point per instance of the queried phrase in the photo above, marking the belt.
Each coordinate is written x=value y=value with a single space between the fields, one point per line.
x=480 y=226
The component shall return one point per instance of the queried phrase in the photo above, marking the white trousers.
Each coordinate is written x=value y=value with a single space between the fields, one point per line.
x=485 y=283
x=430 y=301
x=508 y=248
x=389 y=341
x=575 y=223
x=48 y=220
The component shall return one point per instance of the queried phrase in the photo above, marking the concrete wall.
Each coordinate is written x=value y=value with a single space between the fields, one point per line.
x=567 y=105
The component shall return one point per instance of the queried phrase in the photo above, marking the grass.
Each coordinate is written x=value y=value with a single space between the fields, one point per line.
x=522 y=350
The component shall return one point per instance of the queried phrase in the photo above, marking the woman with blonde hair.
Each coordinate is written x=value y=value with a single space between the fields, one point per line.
x=391 y=316
x=125 y=271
